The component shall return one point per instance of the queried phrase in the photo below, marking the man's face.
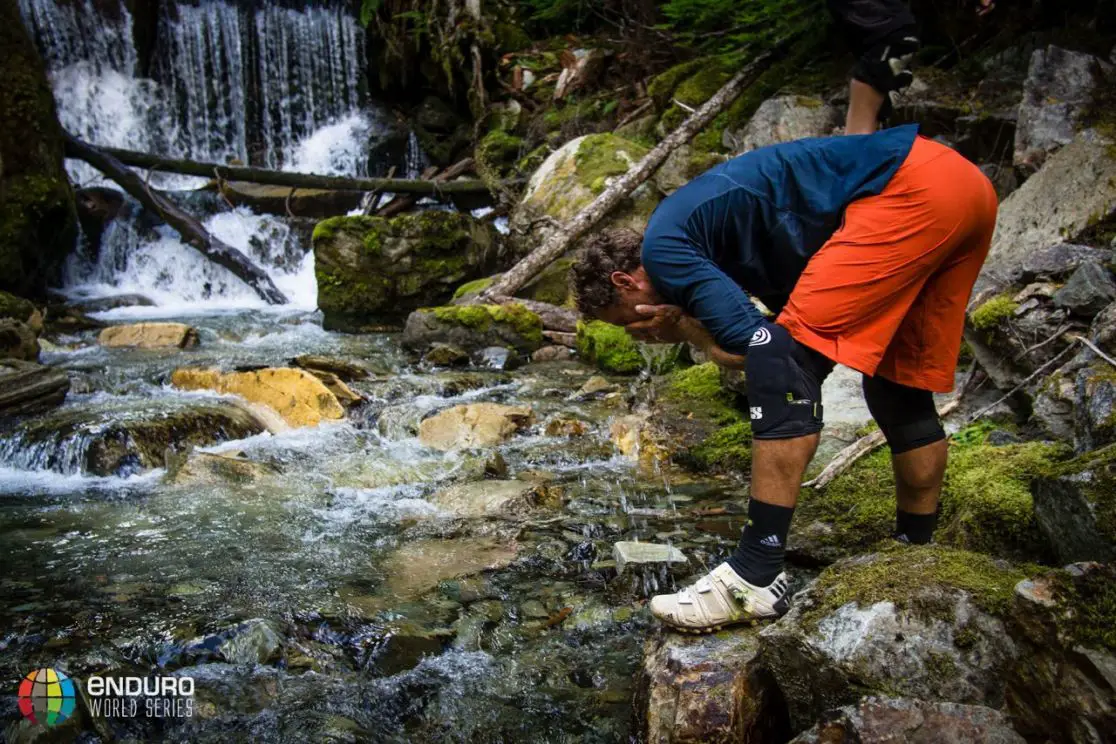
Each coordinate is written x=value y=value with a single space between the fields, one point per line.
x=631 y=289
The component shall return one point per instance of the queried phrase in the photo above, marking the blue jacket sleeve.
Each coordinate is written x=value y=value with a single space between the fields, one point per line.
x=687 y=277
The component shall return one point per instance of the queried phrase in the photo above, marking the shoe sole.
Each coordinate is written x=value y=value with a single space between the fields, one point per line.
x=714 y=628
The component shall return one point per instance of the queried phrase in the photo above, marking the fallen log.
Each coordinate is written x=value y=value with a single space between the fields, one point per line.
x=297 y=180
x=538 y=259
x=192 y=232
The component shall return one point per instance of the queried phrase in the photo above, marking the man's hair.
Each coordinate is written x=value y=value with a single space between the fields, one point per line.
x=604 y=252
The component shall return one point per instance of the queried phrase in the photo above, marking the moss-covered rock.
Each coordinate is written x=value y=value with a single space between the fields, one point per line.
x=572 y=177
x=609 y=347
x=474 y=327
x=371 y=269
x=16 y=308
x=993 y=312
x=38 y=219
x=1075 y=507
x=986 y=501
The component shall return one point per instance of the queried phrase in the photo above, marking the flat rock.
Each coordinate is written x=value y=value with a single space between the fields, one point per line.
x=299 y=397
x=880 y=720
x=630 y=553
x=1059 y=260
x=149 y=336
x=507 y=499
x=473 y=425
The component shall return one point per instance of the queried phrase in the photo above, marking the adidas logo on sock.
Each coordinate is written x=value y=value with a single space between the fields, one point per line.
x=771 y=541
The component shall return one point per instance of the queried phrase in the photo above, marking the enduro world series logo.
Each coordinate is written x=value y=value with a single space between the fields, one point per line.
x=49 y=697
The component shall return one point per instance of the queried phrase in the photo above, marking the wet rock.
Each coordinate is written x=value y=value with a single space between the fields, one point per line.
x=343 y=368
x=419 y=566
x=444 y=355
x=638 y=439
x=252 y=642
x=1089 y=290
x=566 y=427
x=1058 y=89
x=497 y=358
x=923 y=622
x=28 y=388
x=496 y=466
x=1074 y=189
x=552 y=354
x=474 y=327
x=1064 y=687
x=1060 y=260
x=507 y=499
x=706 y=689
x=782 y=119
x=299 y=397
x=572 y=176
x=207 y=468
x=345 y=395
x=372 y=268
x=474 y=425
x=101 y=304
x=405 y=643
x=1095 y=406
x=634 y=555
x=18 y=341
x=149 y=336
x=595 y=387
x=881 y=720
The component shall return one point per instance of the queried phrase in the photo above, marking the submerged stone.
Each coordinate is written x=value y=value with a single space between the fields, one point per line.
x=418 y=567
x=197 y=468
x=632 y=554
x=882 y=720
x=149 y=336
x=508 y=499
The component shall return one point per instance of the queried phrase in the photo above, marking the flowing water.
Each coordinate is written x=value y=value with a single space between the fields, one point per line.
x=322 y=596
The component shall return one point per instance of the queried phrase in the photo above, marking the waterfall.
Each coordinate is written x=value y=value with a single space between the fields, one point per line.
x=263 y=82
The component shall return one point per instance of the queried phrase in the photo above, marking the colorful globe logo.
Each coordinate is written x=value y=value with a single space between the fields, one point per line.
x=46 y=696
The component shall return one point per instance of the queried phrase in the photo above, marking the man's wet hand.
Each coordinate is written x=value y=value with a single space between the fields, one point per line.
x=663 y=324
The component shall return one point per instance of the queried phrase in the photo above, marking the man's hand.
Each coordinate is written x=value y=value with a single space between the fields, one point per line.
x=664 y=325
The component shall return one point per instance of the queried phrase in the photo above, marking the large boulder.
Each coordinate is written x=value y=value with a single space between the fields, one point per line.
x=298 y=396
x=27 y=388
x=1059 y=88
x=372 y=269
x=149 y=336
x=706 y=690
x=923 y=622
x=782 y=119
x=573 y=176
x=1073 y=191
x=474 y=425
x=38 y=218
x=472 y=328
x=882 y=720
x=1063 y=688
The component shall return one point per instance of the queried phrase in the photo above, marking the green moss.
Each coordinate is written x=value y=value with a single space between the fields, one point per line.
x=662 y=86
x=860 y=504
x=551 y=285
x=1087 y=605
x=609 y=347
x=15 y=307
x=480 y=317
x=601 y=156
x=474 y=287
x=895 y=573
x=700 y=87
x=496 y=151
x=993 y=312
x=729 y=448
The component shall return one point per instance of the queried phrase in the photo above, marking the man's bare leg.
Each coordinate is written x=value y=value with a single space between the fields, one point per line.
x=865 y=101
x=777 y=469
x=918 y=487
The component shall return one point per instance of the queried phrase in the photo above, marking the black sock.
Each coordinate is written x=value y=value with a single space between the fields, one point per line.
x=759 y=556
x=916 y=529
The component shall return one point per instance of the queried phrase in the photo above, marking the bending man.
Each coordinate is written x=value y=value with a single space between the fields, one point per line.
x=868 y=248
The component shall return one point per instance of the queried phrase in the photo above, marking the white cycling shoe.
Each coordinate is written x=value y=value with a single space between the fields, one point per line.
x=721 y=598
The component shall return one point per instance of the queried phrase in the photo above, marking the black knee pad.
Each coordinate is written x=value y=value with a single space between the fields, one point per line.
x=886 y=65
x=907 y=416
x=784 y=385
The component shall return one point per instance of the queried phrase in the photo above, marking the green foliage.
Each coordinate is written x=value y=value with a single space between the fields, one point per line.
x=368 y=10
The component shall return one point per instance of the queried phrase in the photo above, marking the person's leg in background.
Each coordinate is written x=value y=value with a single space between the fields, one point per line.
x=879 y=71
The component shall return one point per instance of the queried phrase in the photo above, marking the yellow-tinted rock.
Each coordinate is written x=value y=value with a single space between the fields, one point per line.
x=207 y=468
x=298 y=396
x=149 y=336
x=474 y=425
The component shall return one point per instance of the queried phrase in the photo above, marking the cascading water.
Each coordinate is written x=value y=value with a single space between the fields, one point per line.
x=272 y=85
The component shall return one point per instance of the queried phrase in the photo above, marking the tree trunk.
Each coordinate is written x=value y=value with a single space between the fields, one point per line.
x=583 y=221
x=295 y=180
x=189 y=228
